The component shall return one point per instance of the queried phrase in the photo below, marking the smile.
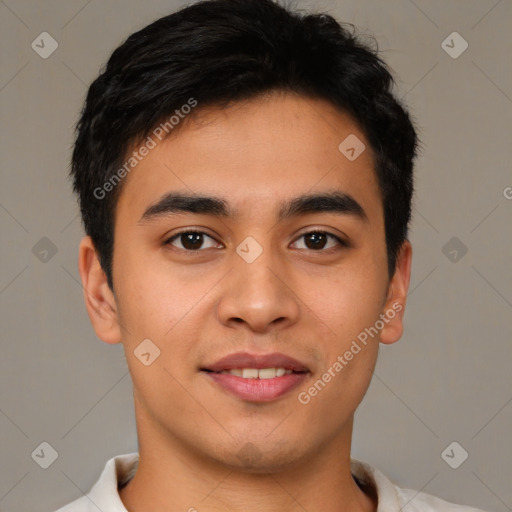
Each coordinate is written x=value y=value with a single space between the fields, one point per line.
x=255 y=373
x=256 y=377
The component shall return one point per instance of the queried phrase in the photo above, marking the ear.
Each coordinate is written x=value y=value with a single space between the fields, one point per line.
x=99 y=298
x=394 y=307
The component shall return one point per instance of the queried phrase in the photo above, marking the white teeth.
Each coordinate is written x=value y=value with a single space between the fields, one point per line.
x=255 y=373
x=267 y=373
x=250 y=373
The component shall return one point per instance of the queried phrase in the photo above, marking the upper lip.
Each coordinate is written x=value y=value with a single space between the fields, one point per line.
x=246 y=360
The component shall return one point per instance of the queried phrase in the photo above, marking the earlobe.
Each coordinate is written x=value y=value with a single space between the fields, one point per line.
x=99 y=299
x=394 y=308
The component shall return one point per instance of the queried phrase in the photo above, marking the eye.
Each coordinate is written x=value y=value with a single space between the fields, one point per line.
x=319 y=241
x=195 y=241
x=191 y=240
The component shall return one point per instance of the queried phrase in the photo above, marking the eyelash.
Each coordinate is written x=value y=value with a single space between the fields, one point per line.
x=340 y=241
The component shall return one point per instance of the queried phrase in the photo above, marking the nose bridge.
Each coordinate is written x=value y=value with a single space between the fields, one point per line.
x=256 y=291
x=259 y=277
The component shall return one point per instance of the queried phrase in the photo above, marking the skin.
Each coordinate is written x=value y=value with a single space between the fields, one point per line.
x=200 y=306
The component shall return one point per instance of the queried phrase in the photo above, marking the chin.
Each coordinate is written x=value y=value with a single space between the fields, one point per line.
x=259 y=457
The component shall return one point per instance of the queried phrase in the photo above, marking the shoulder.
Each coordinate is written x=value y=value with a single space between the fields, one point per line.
x=104 y=494
x=392 y=498
x=80 y=505
x=414 y=501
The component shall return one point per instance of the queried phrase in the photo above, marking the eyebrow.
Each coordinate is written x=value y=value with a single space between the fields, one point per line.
x=328 y=202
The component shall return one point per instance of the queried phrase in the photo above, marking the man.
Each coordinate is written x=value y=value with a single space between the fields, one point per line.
x=245 y=182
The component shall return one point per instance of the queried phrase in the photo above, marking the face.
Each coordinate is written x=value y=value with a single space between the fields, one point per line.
x=257 y=272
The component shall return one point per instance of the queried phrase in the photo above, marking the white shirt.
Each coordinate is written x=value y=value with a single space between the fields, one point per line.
x=119 y=470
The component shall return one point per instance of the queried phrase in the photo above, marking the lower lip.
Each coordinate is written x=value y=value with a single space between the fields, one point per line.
x=258 y=390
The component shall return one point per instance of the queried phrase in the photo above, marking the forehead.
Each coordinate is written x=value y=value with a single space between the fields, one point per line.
x=257 y=154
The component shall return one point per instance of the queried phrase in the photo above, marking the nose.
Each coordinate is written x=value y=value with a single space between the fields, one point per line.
x=258 y=295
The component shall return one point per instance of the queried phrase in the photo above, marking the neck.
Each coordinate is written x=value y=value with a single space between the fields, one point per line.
x=172 y=476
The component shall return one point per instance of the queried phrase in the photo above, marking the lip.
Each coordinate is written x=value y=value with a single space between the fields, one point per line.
x=246 y=360
x=257 y=390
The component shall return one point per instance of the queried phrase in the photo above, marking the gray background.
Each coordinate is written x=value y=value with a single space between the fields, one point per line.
x=448 y=379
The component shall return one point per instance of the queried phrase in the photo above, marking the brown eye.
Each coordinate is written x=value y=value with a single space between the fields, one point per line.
x=316 y=240
x=190 y=240
x=320 y=240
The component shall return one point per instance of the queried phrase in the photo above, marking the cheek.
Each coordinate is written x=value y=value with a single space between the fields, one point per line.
x=351 y=299
x=155 y=297
x=349 y=309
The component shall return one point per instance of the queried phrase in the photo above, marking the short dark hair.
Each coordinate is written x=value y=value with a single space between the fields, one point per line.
x=222 y=51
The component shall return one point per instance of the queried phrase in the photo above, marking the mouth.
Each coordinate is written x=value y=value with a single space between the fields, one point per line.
x=257 y=378
x=256 y=373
